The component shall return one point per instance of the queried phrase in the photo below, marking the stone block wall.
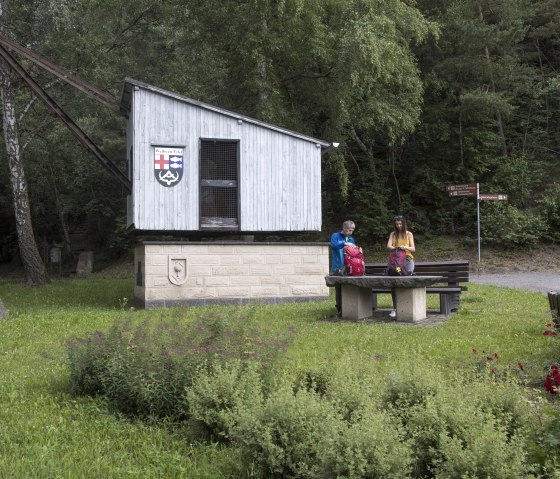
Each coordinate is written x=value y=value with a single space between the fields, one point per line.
x=229 y=272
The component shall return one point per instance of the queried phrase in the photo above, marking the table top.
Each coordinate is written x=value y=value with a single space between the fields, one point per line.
x=384 y=281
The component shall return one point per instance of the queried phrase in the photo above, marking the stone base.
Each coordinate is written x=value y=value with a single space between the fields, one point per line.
x=356 y=302
x=229 y=272
x=411 y=304
x=170 y=303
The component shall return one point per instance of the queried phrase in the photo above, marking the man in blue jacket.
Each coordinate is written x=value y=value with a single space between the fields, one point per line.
x=338 y=241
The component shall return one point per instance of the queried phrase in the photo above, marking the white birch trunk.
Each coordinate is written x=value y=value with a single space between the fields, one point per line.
x=35 y=270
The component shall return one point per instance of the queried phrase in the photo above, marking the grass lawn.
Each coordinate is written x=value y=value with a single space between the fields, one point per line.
x=45 y=432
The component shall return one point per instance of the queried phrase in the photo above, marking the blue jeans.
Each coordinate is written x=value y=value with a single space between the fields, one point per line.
x=410 y=268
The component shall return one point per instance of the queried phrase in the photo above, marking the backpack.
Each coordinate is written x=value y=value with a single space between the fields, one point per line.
x=353 y=261
x=397 y=263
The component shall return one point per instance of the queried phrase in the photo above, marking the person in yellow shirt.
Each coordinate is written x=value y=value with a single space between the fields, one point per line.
x=401 y=238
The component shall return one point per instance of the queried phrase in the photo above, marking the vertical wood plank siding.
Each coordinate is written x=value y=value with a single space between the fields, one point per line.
x=279 y=179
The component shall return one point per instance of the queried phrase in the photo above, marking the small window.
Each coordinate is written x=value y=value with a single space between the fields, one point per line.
x=219 y=192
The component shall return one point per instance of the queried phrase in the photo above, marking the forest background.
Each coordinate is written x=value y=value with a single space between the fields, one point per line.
x=420 y=94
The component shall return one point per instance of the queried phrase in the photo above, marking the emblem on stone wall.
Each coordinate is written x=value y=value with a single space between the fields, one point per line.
x=177 y=269
x=168 y=165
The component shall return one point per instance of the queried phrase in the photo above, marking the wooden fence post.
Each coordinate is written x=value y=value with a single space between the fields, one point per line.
x=554 y=303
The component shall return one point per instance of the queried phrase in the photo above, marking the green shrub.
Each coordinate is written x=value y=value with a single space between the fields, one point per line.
x=88 y=359
x=144 y=368
x=505 y=225
x=352 y=393
x=303 y=435
x=462 y=430
x=409 y=389
x=372 y=446
x=311 y=380
x=290 y=436
x=549 y=211
x=218 y=394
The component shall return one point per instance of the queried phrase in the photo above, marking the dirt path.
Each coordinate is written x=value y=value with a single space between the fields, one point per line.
x=529 y=280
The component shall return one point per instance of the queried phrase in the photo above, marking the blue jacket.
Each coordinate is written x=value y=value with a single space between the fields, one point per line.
x=337 y=244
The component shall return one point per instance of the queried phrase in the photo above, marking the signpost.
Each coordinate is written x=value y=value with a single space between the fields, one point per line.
x=472 y=189
x=493 y=197
x=469 y=189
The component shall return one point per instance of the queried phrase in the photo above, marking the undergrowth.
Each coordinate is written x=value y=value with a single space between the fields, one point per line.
x=271 y=391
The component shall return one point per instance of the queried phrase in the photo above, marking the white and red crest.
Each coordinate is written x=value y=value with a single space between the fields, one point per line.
x=168 y=165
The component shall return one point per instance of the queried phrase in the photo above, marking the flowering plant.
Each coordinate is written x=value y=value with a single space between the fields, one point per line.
x=491 y=366
x=550 y=330
x=552 y=381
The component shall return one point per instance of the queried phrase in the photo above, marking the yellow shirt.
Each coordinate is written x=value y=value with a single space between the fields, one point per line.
x=402 y=242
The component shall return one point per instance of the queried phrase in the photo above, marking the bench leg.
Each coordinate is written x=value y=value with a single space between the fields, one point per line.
x=373 y=300
x=449 y=302
x=444 y=306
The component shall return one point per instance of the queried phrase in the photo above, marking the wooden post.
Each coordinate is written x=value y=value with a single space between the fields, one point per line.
x=554 y=303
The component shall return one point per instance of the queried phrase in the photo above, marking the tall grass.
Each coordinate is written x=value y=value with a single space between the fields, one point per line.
x=45 y=432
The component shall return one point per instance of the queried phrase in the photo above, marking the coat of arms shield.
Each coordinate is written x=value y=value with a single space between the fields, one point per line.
x=168 y=165
x=177 y=271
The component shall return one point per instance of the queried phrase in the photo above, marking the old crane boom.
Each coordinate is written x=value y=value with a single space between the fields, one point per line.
x=90 y=90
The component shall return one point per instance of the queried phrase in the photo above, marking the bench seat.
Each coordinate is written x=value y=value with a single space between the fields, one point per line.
x=454 y=276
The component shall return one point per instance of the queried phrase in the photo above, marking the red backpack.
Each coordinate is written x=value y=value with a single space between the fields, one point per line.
x=397 y=263
x=353 y=260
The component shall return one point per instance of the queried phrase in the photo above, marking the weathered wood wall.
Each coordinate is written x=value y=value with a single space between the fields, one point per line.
x=279 y=174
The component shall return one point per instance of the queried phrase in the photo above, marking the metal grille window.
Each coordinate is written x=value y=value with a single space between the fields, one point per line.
x=219 y=184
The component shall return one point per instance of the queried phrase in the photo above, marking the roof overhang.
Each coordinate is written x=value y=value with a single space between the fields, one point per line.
x=130 y=84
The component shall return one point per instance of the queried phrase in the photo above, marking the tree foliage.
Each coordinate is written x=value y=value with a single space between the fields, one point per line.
x=420 y=95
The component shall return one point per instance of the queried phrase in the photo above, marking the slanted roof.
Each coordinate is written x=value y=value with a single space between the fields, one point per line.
x=129 y=83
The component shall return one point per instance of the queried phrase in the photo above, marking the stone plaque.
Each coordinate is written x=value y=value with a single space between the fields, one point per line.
x=177 y=272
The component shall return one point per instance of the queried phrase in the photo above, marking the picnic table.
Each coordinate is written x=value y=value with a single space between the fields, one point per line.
x=357 y=294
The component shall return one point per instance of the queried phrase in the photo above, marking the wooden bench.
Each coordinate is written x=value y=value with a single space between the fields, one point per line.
x=454 y=276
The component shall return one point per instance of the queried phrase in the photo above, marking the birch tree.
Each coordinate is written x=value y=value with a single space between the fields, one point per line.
x=35 y=270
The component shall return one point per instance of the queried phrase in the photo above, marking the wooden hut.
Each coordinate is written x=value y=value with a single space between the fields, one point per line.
x=198 y=170
x=196 y=167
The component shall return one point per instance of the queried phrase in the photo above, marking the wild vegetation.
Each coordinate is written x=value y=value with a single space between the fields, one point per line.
x=93 y=388
x=420 y=95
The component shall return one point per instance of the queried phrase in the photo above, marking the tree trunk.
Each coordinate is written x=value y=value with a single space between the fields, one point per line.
x=35 y=271
x=498 y=114
x=393 y=160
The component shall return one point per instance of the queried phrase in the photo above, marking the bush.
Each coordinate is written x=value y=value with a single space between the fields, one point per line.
x=373 y=446
x=219 y=393
x=462 y=430
x=290 y=436
x=549 y=211
x=505 y=225
x=144 y=368
x=303 y=434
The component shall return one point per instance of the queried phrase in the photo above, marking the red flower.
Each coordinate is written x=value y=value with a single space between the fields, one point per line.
x=549 y=325
x=520 y=366
x=473 y=350
x=552 y=381
x=496 y=355
x=550 y=333
x=489 y=358
x=548 y=386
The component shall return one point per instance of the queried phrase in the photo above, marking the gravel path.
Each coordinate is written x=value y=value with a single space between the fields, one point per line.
x=530 y=280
